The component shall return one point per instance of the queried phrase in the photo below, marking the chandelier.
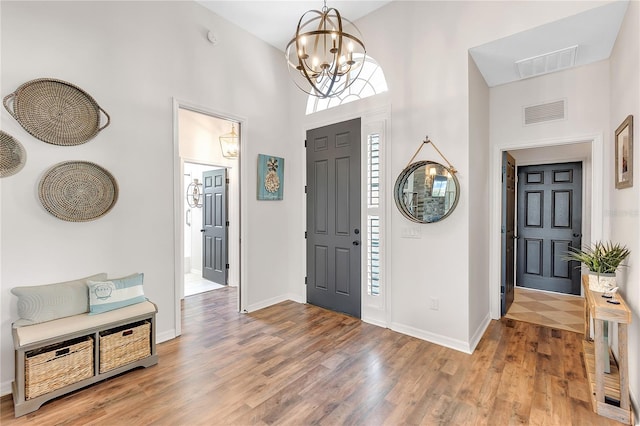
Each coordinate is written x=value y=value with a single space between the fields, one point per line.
x=326 y=54
x=229 y=143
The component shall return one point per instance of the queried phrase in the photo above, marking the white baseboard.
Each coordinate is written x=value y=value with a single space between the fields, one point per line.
x=273 y=301
x=438 y=339
x=165 y=335
x=477 y=336
x=5 y=388
x=374 y=322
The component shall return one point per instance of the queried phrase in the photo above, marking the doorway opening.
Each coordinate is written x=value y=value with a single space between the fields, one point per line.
x=199 y=275
x=207 y=232
x=529 y=306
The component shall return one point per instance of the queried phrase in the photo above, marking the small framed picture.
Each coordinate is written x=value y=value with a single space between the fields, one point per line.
x=624 y=154
x=270 y=177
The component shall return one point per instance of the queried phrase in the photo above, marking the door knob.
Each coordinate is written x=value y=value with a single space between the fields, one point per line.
x=202 y=230
x=356 y=231
x=576 y=235
x=356 y=243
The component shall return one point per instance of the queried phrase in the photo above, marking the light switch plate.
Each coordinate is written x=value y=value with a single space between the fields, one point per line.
x=411 y=233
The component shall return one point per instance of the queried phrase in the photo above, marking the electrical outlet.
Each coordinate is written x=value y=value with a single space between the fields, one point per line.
x=435 y=303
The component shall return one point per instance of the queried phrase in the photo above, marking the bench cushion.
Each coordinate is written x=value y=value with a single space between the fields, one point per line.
x=63 y=326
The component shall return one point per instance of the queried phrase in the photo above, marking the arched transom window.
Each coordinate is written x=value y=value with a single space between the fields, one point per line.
x=370 y=82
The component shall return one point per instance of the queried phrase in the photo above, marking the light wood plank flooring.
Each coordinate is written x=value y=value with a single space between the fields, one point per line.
x=296 y=364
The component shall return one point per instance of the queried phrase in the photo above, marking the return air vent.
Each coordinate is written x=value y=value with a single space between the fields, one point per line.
x=545 y=112
x=548 y=62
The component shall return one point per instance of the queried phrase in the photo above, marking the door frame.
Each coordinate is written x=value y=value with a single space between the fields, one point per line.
x=597 y=197
x=178 y=204
x=374 y=310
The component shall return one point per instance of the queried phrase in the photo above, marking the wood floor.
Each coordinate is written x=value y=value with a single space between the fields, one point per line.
x=296 y=364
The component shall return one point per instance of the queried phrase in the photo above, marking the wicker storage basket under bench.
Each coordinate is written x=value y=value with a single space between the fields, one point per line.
x=66 y=354
x=56 y=366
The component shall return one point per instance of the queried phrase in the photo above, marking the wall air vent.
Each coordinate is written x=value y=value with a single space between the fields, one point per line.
x=548 y=62
x=545 y=112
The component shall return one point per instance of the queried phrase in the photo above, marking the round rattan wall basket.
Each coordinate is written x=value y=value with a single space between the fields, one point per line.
x=12 y=155
x=56 y=112
x=77 y=191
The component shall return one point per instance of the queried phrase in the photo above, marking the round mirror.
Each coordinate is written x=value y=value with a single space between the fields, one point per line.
x=426 y=192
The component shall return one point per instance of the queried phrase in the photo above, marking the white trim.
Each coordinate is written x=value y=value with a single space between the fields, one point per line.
x=178 y=164
x=597 y=206
x=438 y=339
x=477 y=335
x=165 y=336
x=5 y=388
x=273 y=301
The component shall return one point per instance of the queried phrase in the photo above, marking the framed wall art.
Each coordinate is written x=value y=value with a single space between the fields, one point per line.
x=270 y=177
x=624 y=154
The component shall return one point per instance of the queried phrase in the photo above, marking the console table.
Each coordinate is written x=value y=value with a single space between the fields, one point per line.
x=609 y=390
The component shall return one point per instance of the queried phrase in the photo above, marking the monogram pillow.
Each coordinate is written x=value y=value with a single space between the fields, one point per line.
x=115 y=293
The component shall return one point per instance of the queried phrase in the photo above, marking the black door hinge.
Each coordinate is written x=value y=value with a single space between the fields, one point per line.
x=305 y=143
x=305 y=189
x=305 y=234
x=227 y=223
x=305 y=280
x=226 y=266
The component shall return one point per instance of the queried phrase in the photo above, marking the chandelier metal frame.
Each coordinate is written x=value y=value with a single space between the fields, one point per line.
x=327 y=58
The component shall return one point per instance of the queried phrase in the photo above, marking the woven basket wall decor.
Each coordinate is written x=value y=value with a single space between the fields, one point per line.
x=55 y=111
x=77 y=191
x=12 y=155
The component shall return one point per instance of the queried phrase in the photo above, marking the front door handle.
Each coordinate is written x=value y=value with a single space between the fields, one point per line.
x=202 y=230
x=577 y=235
x=356 y=243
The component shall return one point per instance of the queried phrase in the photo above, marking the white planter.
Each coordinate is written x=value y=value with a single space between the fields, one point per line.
x=601 y=282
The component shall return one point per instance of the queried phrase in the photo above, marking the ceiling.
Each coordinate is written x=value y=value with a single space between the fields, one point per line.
x=593 y=32
x=275 y=21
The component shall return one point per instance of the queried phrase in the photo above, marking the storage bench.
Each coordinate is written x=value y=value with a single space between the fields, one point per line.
x=60 y=356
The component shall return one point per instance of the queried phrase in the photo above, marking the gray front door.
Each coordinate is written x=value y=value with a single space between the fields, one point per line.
x=507 y=276
x=549 y=222
x=214 y=226
x=333 y=217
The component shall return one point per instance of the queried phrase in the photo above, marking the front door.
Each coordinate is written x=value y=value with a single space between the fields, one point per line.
x=333 y=217
x=507 y=276
x=549 y=222
x=214 y=226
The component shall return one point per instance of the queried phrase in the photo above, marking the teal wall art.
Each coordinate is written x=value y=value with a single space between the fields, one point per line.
x=270 y=177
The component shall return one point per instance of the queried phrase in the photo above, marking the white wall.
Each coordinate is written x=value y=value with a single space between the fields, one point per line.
x=624 y=213
x=134 y=58
x=479 y=288
x=423 y=50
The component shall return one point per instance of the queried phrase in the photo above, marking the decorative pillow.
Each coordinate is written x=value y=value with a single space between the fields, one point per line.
x=40 y=303
x=115 y=293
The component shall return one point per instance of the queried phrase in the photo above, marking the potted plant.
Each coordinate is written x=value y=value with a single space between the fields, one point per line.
x=602 y=259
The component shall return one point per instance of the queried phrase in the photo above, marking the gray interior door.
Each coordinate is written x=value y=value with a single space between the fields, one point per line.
x=333 y=217
x=214 y=226
x=507 y=275
x=549 y=222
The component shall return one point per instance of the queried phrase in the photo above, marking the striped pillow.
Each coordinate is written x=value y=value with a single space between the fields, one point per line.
x=115 y=293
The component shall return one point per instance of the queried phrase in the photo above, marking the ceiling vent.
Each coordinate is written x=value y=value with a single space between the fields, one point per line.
x=549 y=62
x=545 y=112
